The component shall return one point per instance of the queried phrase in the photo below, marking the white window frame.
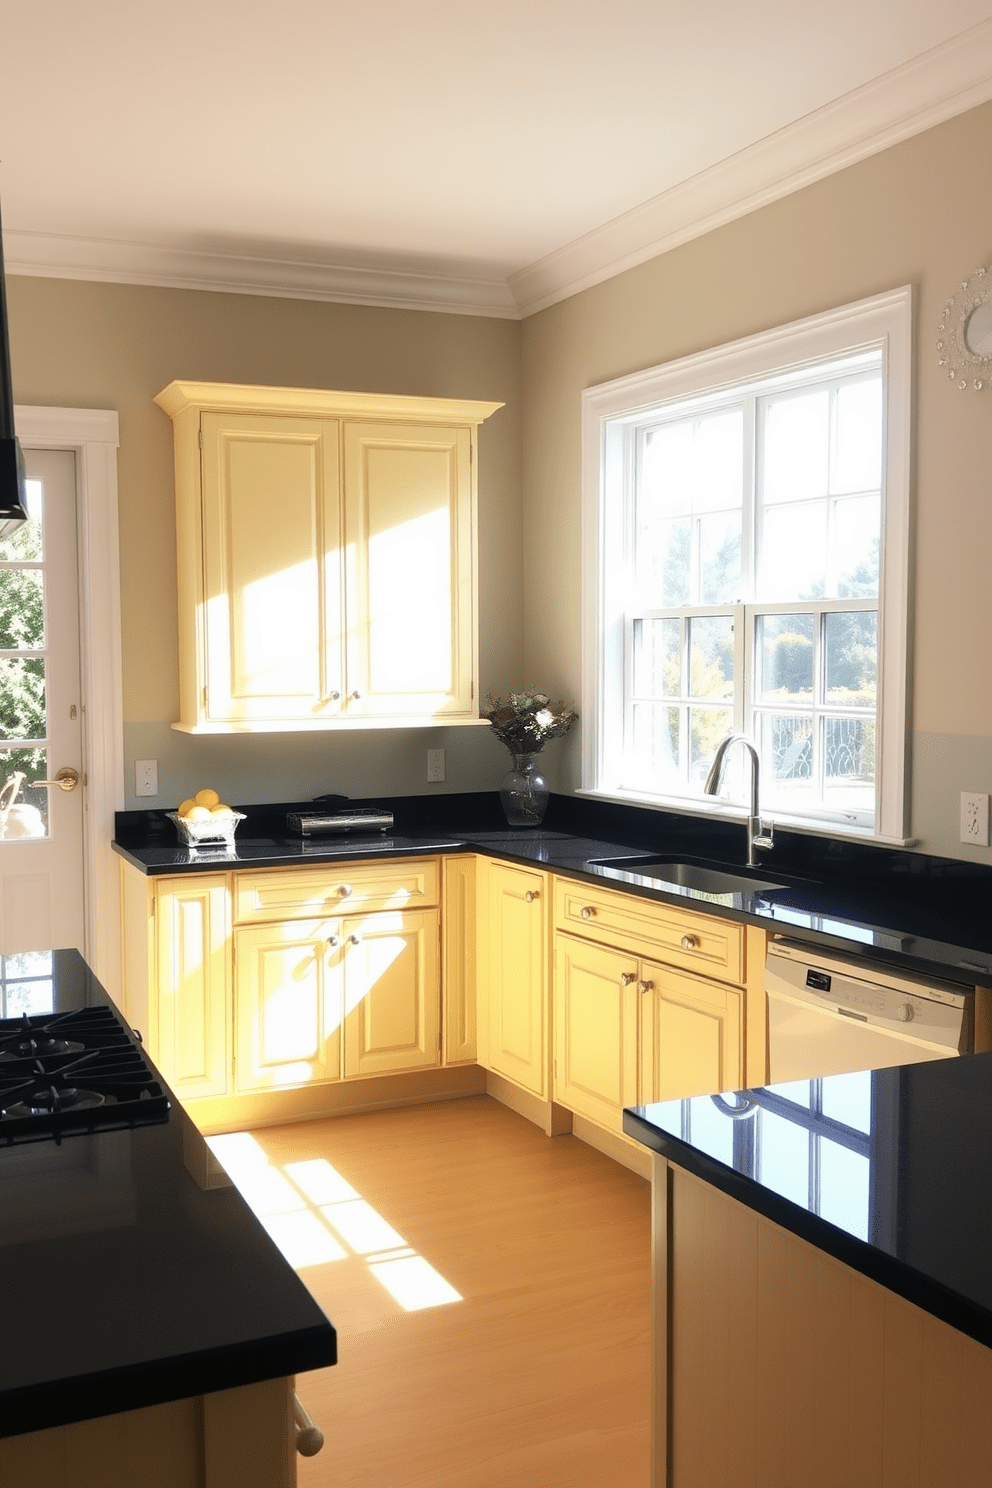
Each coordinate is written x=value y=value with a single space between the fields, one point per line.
x=883 y=321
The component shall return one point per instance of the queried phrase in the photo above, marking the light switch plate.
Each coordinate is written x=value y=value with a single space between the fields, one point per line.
x=435 y=766
x=146 y=777
x=975 y=818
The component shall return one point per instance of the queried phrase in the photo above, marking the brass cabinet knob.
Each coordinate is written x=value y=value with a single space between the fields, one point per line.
x=356 y=695
x=626 y=977
x=332 y=940
x=645 y=986
x=588 y=913
x=355 y=939
x=334 y=696
x=690 y=942
x=531 y=895
x=344 y=890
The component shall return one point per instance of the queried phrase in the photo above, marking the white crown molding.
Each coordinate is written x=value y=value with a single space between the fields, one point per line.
x=933 y=87
x=923 y=92
x=54 y=256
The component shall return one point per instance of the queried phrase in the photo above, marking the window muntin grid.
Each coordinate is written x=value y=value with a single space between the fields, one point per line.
x=820 y=740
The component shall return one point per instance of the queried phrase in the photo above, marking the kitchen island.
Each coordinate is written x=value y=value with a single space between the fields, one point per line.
x=822 y=1281
x=150 y=1324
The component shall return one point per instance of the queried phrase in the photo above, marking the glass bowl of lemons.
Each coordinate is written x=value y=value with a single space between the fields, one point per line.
x=205 y=818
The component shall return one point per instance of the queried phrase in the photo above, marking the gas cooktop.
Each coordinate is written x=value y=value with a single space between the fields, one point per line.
x=62 y=1074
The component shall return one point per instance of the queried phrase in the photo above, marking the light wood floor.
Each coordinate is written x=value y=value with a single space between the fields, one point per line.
x=538 y=1378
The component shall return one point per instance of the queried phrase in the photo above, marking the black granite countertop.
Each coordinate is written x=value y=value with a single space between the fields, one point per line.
x=890 y=1171
x=129 y=1282
x=883 y=904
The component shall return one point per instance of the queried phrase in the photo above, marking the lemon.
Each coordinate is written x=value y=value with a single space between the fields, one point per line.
x=186 y=808
x=208 y=798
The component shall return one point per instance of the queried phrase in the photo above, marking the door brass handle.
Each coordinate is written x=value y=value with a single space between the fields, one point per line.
x=344 y=890
x=531 y=895
x=690 y=942
x=332 y=940
x=626 y=977
x=66 y=779
x=645 y=986
x=588 y=913
x=355 y=939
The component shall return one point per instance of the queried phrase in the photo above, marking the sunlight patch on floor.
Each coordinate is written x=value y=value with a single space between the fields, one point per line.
x=315 y=1216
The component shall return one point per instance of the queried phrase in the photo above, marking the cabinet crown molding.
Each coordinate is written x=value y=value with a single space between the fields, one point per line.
x=233 y=397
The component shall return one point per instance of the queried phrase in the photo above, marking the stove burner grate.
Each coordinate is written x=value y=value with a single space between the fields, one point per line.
x=74 y=1072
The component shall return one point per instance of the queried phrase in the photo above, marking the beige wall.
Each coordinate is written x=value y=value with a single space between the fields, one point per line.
x=114 y=346
x=916 y=214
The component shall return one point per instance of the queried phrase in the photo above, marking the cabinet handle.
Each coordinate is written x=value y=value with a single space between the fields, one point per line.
x=309 y=1438
x=345 y=889
x=588 y=913
x=626 y=977
x=333 y=696
x=531 y=895
x=332 y=940
x=690 y=942
x=355 y=939
x=356 y=695
x=645 y=986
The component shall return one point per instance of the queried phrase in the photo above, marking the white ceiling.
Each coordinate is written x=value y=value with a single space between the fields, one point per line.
x=487 y=159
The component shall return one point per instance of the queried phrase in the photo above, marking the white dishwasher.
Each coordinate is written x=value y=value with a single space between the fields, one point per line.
x=831 y=1016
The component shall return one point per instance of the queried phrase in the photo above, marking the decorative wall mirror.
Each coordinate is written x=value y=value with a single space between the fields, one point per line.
x=964 y=345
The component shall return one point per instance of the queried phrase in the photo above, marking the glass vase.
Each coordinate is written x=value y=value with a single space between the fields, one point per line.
x=523 y=793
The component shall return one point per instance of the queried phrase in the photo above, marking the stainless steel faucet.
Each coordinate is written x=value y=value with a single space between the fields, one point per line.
x=758 y=835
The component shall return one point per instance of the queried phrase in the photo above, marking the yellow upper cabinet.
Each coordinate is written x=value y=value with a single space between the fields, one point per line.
x=327 y=557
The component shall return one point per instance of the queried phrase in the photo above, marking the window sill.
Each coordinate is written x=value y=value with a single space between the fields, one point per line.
x=725 y=811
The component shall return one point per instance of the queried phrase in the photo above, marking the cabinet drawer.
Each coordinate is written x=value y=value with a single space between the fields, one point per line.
x=342 y=888
x=677 y=936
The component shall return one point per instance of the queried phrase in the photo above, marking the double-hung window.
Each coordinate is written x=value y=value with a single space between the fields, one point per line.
x=746 y=541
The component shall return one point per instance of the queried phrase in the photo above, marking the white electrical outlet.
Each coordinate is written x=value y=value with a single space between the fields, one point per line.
x=975 y=818
x=435 y=766
x=146 y=777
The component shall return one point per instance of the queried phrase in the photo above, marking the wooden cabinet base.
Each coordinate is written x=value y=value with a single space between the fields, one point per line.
x=776 y=1365
x=230 y=1439
x=337 y=1098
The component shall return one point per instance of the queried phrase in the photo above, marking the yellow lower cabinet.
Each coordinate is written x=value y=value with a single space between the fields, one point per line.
x=189 y=1004
x=392 y=980
x=596 y=1017
x=692 y=1035
x=516 y=973
x=289 y=1004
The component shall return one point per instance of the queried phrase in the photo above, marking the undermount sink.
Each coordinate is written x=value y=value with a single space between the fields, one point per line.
x=699 y=877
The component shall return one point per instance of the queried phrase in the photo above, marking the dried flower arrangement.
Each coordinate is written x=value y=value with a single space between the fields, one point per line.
x=525 y=721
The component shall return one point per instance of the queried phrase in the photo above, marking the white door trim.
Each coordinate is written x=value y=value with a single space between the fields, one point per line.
x=93 y=435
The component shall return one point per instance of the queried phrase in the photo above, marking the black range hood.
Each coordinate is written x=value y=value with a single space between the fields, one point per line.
x=13 y=505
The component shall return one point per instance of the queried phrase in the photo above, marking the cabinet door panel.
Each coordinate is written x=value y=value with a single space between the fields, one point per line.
x=409 y=578
x=272 y=567
x=517 y=976
x=193 y=991
x=691 y=1036
x=595 y=1030
x=392 y=992
x=289 y=1003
